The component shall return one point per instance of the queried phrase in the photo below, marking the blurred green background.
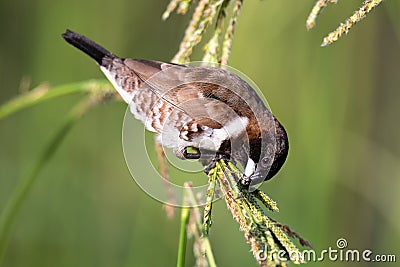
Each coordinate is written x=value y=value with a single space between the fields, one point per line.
x=340 y=106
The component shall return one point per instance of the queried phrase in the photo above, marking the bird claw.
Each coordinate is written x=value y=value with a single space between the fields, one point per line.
x=246 y=181
x=214 y=160
x=182 y=153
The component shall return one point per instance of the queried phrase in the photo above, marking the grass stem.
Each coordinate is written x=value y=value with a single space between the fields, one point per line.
x=185 y=213
x=43 y=93
x=7 y=217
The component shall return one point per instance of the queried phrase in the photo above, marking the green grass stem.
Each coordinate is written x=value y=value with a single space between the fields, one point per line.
x=7 y=217
x=43 y=93
x=185 y=213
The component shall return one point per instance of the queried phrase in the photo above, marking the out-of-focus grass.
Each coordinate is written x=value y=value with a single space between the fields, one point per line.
x=339 y=105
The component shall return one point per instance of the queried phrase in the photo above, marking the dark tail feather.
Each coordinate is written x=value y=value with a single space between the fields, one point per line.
x=94 y=50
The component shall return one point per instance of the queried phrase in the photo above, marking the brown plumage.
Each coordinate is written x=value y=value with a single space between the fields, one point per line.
x=207 y=108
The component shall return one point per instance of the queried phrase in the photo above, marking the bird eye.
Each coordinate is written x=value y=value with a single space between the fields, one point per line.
x=266 y=161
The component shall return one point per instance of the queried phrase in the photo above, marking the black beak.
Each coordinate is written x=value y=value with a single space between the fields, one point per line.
x=257 y=178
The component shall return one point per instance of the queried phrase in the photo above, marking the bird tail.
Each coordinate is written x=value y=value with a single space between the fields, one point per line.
x=86 y=45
